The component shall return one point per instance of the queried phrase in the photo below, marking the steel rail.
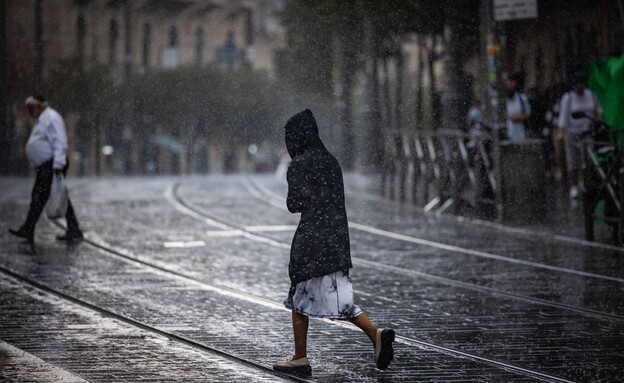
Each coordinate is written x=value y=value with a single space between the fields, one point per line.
x=144 y=326
x=128 y=256
x=188 y=208
x=273 y=200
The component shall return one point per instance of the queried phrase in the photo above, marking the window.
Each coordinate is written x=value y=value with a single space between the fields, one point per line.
x=226 y=53
x=171 y=54
x=173 y=37
x=278 y=5
x=147 y=44
x=199 y=46
x=249 y=27
x=113 y=39
x=80 y=36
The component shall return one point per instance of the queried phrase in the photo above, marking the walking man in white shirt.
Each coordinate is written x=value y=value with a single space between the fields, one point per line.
x=574 y=130
x=518 y=109
x=47 y=153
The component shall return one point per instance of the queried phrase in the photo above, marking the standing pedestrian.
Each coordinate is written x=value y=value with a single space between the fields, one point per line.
x=320 y=258
x=46 y=150
x=574 y=130
x=518 y=109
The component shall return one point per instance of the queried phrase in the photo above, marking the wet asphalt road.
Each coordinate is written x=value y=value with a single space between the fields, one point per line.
x=182 y=280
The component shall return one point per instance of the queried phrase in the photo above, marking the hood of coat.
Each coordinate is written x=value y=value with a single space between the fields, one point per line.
x=302 y=133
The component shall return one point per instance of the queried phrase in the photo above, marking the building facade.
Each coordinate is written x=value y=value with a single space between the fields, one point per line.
x=564 y=38
x=145 y=35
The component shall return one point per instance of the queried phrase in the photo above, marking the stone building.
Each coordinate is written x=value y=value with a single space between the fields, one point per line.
x=565 y=37
x=78 y=35
x=165 y=34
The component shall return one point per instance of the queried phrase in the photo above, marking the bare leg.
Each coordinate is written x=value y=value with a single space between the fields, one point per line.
x=365 y=325
x=300 y=329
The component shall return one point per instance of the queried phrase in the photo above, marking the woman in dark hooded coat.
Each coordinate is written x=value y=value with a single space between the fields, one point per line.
x=320 y=256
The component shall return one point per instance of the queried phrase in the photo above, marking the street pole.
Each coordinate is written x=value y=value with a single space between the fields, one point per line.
x=374 y=142
x=451 y=98
x=494 y=52
x=131 y=137
x=38 y=88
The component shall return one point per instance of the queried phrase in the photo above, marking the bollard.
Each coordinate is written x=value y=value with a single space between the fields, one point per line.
x=523 y=181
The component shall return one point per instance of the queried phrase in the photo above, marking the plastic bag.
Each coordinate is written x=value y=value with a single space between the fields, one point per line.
x=57 y=203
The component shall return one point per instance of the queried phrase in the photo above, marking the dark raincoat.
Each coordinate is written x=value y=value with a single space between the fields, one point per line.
x=315 y=189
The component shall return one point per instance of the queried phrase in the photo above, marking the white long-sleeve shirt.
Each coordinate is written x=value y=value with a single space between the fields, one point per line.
x=572 y=102
x=48 y=140
x=518 y=104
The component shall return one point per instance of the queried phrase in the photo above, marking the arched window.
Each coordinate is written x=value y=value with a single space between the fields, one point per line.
x=113 y=39
x=81 y=31
x=249 y=27
x=171 y=54
x=173 y=37
x=199 y=46
x=147 y=44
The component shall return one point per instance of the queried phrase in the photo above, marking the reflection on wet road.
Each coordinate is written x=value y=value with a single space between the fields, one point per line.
x=206 y=258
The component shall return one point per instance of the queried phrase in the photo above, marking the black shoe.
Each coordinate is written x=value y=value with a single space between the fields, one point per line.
x=384 y=352
x=74 y=237
x=22 y=234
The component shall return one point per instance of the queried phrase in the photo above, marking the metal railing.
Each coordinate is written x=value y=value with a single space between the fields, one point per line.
x=442 y=170
x=447 y=170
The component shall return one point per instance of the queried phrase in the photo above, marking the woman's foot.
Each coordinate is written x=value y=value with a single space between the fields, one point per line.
x=299 y=366
x=384 y=352
x=29 y=237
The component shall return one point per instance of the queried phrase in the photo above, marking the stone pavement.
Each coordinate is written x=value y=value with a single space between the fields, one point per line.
x=563 y=216
x=182 y=280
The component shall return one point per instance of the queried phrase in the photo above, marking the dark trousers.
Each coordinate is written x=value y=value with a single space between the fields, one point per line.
x=40 y=195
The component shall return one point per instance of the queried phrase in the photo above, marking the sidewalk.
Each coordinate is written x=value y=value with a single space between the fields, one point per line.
x=564 y=218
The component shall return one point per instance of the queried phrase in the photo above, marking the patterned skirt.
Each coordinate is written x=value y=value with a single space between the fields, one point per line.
x=329 y=296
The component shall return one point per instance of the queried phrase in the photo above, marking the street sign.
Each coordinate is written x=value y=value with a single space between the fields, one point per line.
x=514 y=9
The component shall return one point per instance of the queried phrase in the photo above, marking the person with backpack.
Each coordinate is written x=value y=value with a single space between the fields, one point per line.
x=518 y=109
x=574 y=130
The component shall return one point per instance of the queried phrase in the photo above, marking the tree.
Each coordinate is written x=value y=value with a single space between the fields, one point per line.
x=370 y=33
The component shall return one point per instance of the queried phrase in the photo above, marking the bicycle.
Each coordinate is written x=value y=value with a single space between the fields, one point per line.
x=604 y=175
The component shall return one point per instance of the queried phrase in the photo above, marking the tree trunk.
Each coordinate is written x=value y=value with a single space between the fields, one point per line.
x=131 y=137
x=451 y=99
x=347 y=112
x=398 y=115
x=374 y=145
x=433 y=92
x=388 y=173
x=398 y=98
x=420 y=71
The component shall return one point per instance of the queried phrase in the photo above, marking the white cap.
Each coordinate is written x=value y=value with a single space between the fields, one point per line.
x=31 y=100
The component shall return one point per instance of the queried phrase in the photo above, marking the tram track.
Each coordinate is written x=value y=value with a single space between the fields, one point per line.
x=188 y=209
x=144 y=326
x=270 y=198
x=173 y=197
x=139 y=324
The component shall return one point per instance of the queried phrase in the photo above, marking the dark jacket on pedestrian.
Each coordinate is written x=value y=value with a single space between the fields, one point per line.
x=315 y=189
